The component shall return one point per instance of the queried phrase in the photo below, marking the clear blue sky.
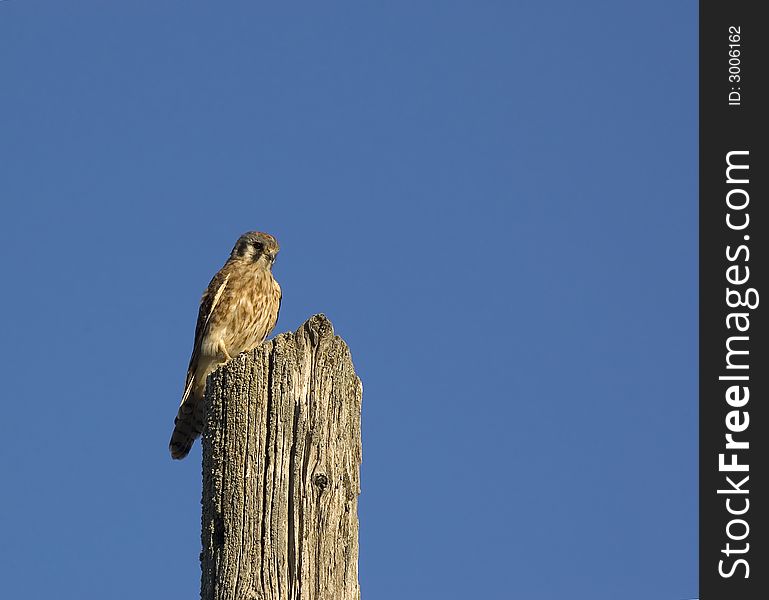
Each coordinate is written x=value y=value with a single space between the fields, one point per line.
x=496 y=204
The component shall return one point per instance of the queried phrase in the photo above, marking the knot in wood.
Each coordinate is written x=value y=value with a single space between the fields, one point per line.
x=321 y=481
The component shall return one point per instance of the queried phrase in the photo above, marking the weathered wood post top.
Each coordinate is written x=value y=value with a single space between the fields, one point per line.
x=281 y=471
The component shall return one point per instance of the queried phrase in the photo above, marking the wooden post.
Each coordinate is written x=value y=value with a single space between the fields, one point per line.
x=281 y=471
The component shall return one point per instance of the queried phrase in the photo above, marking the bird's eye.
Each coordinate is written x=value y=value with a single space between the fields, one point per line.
x=258 y=245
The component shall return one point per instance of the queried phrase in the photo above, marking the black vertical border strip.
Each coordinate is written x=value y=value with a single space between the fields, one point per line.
x=725 y=128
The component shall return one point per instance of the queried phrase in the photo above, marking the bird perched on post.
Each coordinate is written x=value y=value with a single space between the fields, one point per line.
x=237 y=312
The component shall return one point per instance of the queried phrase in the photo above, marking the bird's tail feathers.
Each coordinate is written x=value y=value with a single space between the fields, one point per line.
x=188 y=425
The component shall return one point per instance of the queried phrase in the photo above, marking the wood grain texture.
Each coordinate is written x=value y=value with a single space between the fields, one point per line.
x=281 y=471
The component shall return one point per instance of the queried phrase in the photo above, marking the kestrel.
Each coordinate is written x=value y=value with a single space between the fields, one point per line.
x=237 y=312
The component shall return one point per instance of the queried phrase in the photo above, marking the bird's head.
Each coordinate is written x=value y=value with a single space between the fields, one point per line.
x=256 y=247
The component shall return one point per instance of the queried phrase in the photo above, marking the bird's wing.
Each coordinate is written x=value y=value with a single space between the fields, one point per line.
x=277 y=312
x=208 y=304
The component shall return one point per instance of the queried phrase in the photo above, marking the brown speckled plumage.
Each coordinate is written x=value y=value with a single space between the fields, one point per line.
x=237 y=312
